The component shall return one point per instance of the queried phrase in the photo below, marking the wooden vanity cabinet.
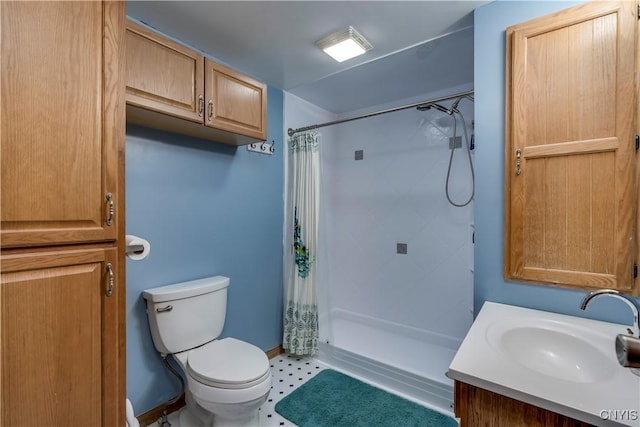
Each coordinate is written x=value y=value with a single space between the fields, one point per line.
x=477 y=407
x=174 y=88
x=62 y=330
x=570 y=171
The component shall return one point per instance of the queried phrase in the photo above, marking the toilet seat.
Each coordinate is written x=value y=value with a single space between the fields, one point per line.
x=229 y=364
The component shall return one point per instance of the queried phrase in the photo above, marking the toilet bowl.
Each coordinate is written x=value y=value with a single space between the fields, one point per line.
x=227 y=379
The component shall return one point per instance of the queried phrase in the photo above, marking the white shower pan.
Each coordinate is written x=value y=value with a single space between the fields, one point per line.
x=407 y=361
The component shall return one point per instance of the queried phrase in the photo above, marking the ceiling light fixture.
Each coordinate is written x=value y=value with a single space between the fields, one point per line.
x=344 y=44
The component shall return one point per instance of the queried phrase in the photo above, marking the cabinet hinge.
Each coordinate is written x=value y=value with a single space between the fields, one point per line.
x=638 y=11
x=637 y=142
x=635 y=270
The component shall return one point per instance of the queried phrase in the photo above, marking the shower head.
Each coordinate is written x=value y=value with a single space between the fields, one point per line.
x=425 y=107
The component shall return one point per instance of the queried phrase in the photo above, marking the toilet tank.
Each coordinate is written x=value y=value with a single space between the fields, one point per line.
x=186 y=315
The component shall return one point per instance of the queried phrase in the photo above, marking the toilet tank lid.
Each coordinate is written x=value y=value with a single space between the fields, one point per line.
x=188 y=289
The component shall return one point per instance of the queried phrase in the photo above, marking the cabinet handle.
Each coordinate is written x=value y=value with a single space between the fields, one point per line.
x=200 y=105
x=210 y=114
x=518 y=156
x=112 y=210
x=111 y=280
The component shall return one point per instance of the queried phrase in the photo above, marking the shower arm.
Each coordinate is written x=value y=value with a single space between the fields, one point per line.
x=454 y=106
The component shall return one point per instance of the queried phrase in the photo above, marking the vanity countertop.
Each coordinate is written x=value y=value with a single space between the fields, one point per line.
x=561 y=363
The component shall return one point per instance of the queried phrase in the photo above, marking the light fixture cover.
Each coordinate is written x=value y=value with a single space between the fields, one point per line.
x=344 y=44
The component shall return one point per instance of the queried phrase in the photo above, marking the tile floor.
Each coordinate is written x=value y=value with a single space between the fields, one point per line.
x=289 y=372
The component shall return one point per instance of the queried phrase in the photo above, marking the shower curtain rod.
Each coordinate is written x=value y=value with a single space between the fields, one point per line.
x=468 y=94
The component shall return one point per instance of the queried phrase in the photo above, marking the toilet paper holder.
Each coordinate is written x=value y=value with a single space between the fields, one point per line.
x=134 y=249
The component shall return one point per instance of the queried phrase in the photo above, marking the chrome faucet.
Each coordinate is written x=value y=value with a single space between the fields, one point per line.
x=615 y=294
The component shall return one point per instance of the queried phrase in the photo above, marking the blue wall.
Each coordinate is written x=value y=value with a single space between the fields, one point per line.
x=489 y=80
x=207 y=209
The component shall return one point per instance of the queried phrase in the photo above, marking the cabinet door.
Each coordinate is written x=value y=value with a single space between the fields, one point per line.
x=60 y=339
x=62 y=121
x=478 y=407
x=235 y=103
x=570 y=155
x=162 y=75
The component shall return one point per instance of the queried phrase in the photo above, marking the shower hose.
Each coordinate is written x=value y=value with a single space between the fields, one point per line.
x=468 y=150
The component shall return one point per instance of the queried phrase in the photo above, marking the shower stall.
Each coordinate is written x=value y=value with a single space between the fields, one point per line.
x=395 y=257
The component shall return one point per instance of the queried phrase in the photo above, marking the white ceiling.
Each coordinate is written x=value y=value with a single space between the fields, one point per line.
x=419 y=46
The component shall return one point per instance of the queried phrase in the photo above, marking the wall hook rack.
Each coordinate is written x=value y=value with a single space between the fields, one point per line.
x=264 y=147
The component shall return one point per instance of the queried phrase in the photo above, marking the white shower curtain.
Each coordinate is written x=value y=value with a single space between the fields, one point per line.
x=301 y=308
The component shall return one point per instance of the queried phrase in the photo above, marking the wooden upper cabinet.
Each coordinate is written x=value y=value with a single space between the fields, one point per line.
x=235 y=102
x=163 y=75
x=59 y=150
x=174 y=88
x=570 y=148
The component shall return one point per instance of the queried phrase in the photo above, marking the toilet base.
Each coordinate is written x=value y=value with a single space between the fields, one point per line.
x=194 y=415
x=186 y=418
x=236 y=415
x=220 y=414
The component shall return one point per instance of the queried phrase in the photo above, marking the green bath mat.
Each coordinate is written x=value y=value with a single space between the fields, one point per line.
x=331 y=399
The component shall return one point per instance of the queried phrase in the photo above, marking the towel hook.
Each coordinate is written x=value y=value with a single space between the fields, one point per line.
x=264 y=147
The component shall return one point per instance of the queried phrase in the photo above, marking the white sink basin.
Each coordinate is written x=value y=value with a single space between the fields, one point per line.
x=554 y=353
x=561 y=363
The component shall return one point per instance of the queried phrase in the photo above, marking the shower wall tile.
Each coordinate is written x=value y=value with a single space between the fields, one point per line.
x=396 y=194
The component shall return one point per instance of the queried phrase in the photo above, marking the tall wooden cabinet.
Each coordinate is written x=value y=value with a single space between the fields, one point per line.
x=174 y=88
x=62 y=214
x=570 y=148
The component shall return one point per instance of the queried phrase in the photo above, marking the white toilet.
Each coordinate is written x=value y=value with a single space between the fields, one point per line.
x=227 y=379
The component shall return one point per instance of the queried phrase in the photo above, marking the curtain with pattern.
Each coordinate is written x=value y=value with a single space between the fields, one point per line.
x=300 y=305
